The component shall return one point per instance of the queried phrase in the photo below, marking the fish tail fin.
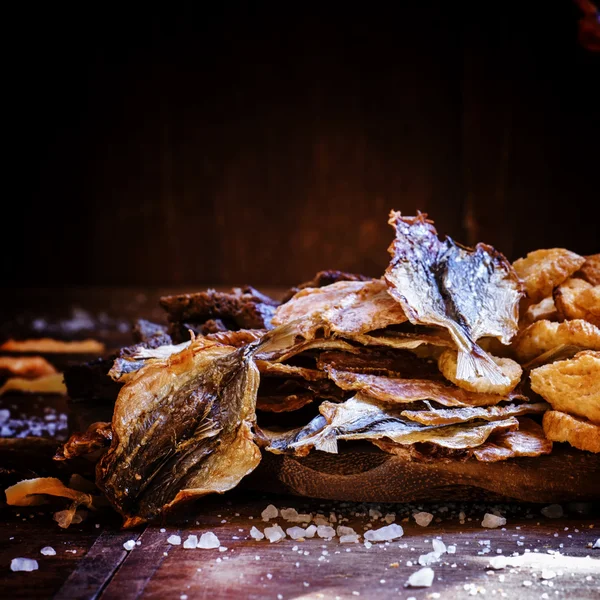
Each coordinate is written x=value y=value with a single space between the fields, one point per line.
x=473 y=365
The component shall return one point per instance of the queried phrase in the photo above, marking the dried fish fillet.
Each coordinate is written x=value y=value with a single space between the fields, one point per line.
x=528 y=440
x=451 y=416
x=362 y=418
x=471 y=293
x=405 y=391
x=97 y=437
x=181 y=429
x=341 y=308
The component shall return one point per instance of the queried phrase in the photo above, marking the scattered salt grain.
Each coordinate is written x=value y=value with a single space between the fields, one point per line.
x=325 y=531
x=451 y=549
x=390 y=517
x=343 y=530
x=374 y=514
x=48 y=551
x=548 y=574
x=492 y=521
x=421 y=578
x=270 y=512
x=310 y=531
x=257 y=534
x=423 y=518
x=553 y=511
x=191 y=542
x=296 y=533
x=23 y=564
x=129 y=545
x=163 y=530
x=596 y=543
x=428 y=559
x=223 y=549
x=208 y=541
x=174 y=540
x=367 y=544
x=349 y=539
x=527 y=583
x=385 y=534
x=439 y=547
x=274 y=534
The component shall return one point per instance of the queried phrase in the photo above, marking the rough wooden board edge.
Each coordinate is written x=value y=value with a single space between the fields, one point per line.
x=363 y=474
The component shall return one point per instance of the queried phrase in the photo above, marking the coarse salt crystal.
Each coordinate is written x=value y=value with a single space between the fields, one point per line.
x=423 y=518
x=527 y=583
x=492 y=521
x=191 y=542
x=208 y=541
x=439 y=547
x=349 y=539
x=270 y=512
x=23 y=564
x=421 y=578
x=321 y=520
x=325 y=531
x=163 y=530
x=367 y=544
x=343 y=530
x=129 y=545
x=374 y=514
x=553 y=511
x=451 y=549
x=390 y=517
x=384 y=534
x=548 y=574
x=222 y=549
x=174 y=540
x=274 y=534
x=428 y=559
x=596 y=543
x=296 y=533
x=310 y=531
x=48 y=551
x=257 y=534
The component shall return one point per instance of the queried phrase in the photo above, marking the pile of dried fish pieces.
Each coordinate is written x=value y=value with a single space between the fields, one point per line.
x=392 y=361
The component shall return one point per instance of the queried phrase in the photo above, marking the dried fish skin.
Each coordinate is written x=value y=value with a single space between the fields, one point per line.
x=280 y=442
x=182 y=428
x=97 y=437
x=362 y=418
x=471 y=293
x=406 y=391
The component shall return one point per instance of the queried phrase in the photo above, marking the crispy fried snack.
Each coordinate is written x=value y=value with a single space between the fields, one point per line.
x=571 y=386
x=591 y=269
x=578 y=299
x=581 y=434
x=545 y=309
x=543 y=336
x=511 y=370
x=543 y=270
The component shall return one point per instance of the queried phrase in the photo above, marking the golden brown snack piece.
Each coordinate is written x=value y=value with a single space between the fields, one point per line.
x=447 y=364
x=543 y=270
x=28 y=367
x=543 y=310
x=590 y=271
x=50 y=346
x=49 y=384
x=571 y=386
x=578 y=299
x=543 y=336
x=581 y=434
x=528 y=440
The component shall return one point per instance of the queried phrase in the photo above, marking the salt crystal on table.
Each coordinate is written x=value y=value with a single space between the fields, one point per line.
x=325 y=531
x=257 y=534
x=428 y=559
x=492 y=521
x=208 y=541
x=374 y=514
x=274 y=534
x=174 y=540
x=553 y=511
x=451 y=549
x=23 y=564
x=310 y=531
x=343 y=530
x=289 y=514
x=548 y=574
x=423 y=518
x=321 y=520
x=384 y=534
x=367 y=544
x=439 y=547
x=296 y=532
x=421 y=578
x=349 y=539
x=596 y=543
x=191 y=542
x=390 y=517
x=129 y=545
x=270 y=512
x=48 y=551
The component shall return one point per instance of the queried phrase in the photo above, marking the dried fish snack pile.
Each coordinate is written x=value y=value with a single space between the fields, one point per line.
x=430 y=363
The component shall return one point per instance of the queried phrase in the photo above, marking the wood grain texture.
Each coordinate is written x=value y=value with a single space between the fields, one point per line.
x=241 y=146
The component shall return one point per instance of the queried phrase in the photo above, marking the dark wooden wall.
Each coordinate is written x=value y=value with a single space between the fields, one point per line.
x=261 y=144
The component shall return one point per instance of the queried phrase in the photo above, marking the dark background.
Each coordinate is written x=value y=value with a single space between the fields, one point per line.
x=259 y=144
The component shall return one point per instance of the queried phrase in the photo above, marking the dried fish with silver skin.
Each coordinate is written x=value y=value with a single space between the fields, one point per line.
x=471 y=293
x=362 y=418
x=182 y=428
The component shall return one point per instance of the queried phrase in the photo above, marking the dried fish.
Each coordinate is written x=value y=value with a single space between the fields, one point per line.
x=471 y=293
x=181 y=429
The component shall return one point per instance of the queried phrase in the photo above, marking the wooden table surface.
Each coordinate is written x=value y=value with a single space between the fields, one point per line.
x=556 y=555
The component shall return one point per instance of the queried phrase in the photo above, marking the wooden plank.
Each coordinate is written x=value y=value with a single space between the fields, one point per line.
x=98 y=566
x=140 y=565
